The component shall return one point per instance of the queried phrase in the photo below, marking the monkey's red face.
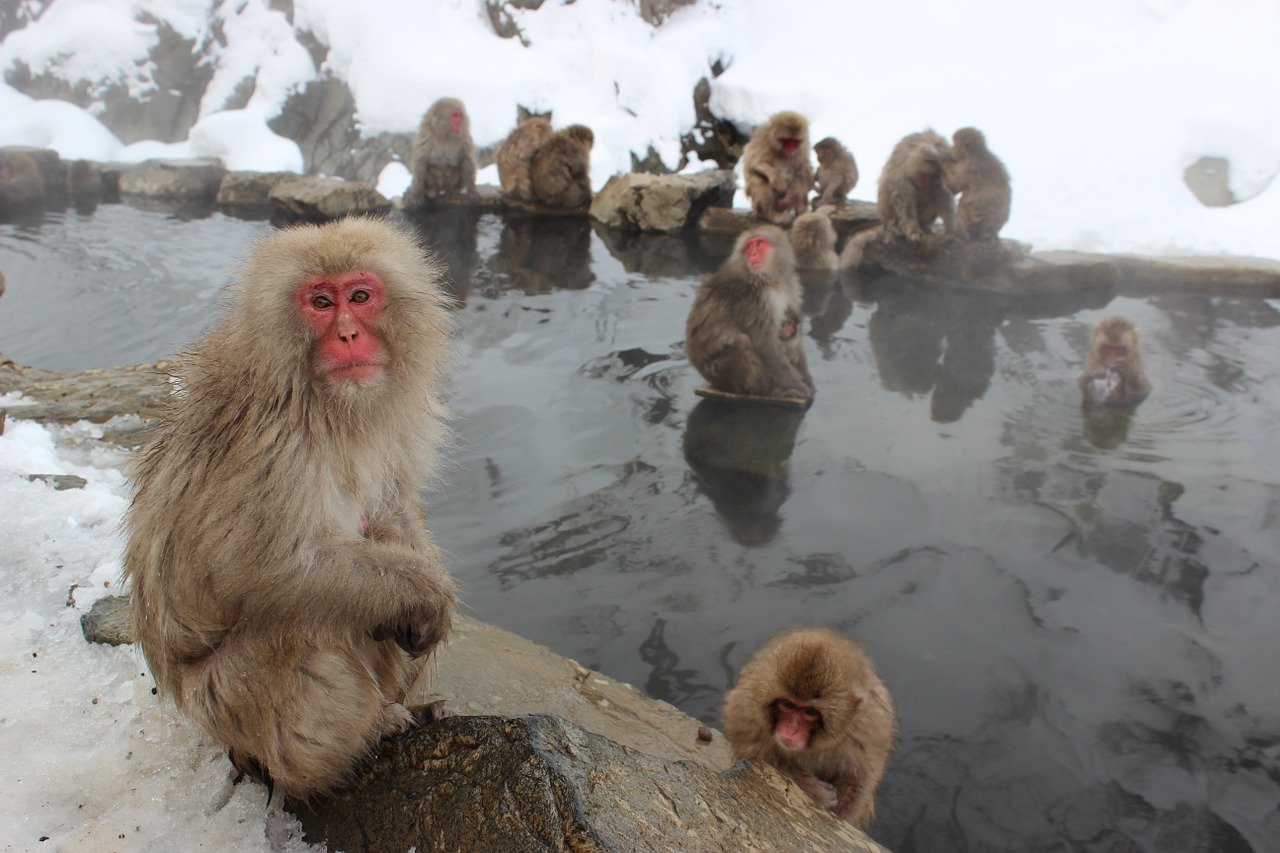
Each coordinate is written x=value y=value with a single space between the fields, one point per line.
x=455 y=121
x=795 y=723
x=757 y=251
x=1111 y=353
x=790 y=144
x=342 y=311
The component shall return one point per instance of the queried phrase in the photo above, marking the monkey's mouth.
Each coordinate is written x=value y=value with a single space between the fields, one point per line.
x=790 y=145
x=1111 y=353
x=359 y=371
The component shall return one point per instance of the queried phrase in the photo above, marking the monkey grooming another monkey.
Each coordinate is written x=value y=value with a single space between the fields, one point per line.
x=443 y=158
x=560 y=172
x=813 y=238
x=743 y=332
x=810 y=703
x=515 y=156
x=285 y=589
x=776 y=169
x=911 y=193
x=837 y=172
x=1113 y=372
x=983 y=184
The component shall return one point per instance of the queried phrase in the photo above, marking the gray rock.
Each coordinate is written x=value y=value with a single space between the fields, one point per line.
x=326 y=198
x=542 y=783
x=850 y=219
x=645 y=202
x=250 y=189
x=107 y=621
x=1209 y=178
x=53 y=169
x=60 y=482
x=185 y=180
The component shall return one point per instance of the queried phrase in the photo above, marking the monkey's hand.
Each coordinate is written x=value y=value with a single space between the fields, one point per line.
x=788 y=330
x=822 y=793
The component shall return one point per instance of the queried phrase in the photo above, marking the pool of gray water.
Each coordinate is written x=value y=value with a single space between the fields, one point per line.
x=1077 y=618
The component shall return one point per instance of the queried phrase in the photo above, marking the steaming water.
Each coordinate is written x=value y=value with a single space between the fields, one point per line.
x=1077 y=617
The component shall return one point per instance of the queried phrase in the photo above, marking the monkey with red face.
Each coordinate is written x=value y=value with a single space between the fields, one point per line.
x=285 y=589
x=443 y=158
x=810 y=704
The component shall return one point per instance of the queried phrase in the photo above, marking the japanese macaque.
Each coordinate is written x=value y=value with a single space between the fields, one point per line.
x=286 y=591
x=21 y=184
x=837 y=172
x=560 y=173
x=813 y=238
x=982 y=182
x=776 y=168
x=743 y=332
x=911 y=194
x=515 y=156
x=443 y=158
x=84 y=180
x=1113 y=373
x=810 y=703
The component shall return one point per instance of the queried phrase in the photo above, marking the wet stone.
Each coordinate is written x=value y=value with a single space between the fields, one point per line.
x=60 y=482
x=107 y=621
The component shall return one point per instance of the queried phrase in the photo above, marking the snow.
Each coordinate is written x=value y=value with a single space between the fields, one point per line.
x=91 y=758
x=1096 y=106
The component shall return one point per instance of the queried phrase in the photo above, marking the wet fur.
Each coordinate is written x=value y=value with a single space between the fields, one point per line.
x=777 y=182
x=911 y=195
x=442 y=162
x=983 y=184
x=813 y=238
x=1134 y=386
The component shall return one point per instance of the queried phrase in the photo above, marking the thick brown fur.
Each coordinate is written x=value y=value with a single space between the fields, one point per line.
x=813 y=238
x=1124 y=382
x=983 y=184
x=84 y=180
x=278 y=551
x=778 y=182
x=837 y=173
x=911 y=193
x=21 y=184
x=442 y=162
x=849 y=750
x=560 y=174
x=735 y=332
x=515 y=156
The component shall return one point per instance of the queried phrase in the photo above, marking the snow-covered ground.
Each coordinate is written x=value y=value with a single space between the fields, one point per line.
x=1096 y=106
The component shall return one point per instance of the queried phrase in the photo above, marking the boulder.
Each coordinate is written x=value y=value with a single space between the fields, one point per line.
x=645 y=202
x=179 y=180
x=541 y=783
x=326 y=198
x=250 y=189
x=108 y=622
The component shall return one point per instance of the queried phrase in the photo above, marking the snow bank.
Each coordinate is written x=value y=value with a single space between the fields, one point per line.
x=91 y=759
x=1096 y=106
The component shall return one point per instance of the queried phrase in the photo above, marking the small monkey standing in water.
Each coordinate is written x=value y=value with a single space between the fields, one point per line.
x=911 y=193
x=1113 y=372
x=743 y=329
x=983 y=184
x=443 y=159
x=285 y=589
x=837 y=172
x=813 y=238
x=776 y=169
x=810 y=703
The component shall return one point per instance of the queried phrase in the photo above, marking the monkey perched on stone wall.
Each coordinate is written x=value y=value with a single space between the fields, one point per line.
x=286 y=591
x=515 y=156
x=982 y=182
x=743 y=332
x=810 y=703
x=1113 y=373
x=560 y=173
x=837 y=172
x=776 y=168
x=911 y=193
x=443 y=159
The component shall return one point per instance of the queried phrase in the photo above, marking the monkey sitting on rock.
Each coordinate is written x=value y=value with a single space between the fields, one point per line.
x=443 y=158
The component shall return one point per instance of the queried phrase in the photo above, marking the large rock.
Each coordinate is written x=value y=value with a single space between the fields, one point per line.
x=644 y=202
x=250 y=189
x=849 y=219
x=327 y=198
x=542 y=783
x=22 y=186
x=179 y=180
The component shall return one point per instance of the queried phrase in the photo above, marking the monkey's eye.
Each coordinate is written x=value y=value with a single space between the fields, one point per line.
x=811 y=714
x=786 y=705
x=321 y=302
x=360 y=297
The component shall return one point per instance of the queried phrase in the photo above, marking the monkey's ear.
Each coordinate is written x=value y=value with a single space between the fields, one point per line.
x=856 y=698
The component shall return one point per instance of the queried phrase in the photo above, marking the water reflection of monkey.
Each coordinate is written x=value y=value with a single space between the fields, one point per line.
x=739 y=452
x=825 y=303
x=539 y=254
x=450 y=232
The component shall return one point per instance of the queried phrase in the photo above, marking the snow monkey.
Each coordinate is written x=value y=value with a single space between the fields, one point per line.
x=837 y=172
x=813 y=238
x=982 y=182
x=286 y=591
x=743 y=332
x=443 y=158
x=911 y=194
x=560 y=173
x=776 y=168
x=1113 y=372
x=810 y=703
x=515 y=156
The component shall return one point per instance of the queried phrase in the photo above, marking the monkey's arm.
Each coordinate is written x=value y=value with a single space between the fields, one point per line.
x=468 y=173
x=822 y=793
x=787 y=378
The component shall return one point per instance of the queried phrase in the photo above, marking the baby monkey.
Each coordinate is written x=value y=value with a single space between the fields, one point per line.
x=1113 y=372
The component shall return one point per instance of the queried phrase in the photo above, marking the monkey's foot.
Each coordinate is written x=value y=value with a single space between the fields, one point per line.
x=247 y=765
x=431 y=712
x=822 y=793
x=396 y=719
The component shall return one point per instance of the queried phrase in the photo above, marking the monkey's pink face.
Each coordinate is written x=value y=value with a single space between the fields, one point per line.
x=795 y=723
x=790 y=144
x=455 y=121
x=1111 y=353
x=757 y=251
x=342 y=311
